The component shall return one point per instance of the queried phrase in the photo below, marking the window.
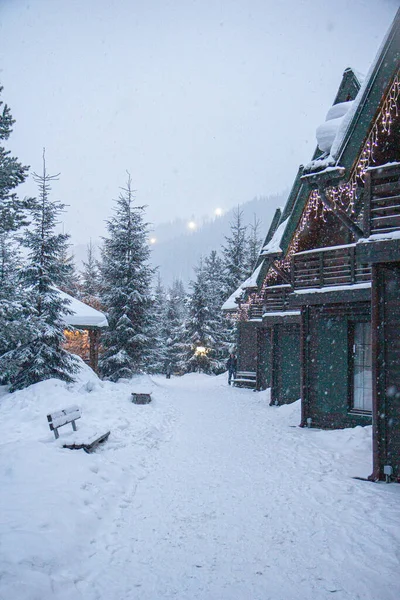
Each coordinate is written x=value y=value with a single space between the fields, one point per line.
x=362 y=368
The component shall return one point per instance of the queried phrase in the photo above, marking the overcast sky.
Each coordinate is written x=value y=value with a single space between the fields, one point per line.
x=207 y=103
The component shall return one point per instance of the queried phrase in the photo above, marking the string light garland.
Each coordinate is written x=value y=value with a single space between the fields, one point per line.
x=342 y=196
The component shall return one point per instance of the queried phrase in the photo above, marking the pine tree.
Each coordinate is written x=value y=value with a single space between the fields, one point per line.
x=42 y=356
x=206 y=344
x=235 y=255
x=13 y=314
x=90 y=288
x=12 y=173
x=176 y=313
x=67 y=279
x=221 y=330
x=125 y=282
x=253 y=244
x=157 y=360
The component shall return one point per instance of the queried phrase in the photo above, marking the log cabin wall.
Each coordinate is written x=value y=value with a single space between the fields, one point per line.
x=386 y=355
x=263 y=358
x=285 y=360
x=328 y=365
x=247 y=346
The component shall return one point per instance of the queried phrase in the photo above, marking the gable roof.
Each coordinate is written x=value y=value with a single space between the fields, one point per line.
x=357 y=122
x=285 y=221
x=82 y=314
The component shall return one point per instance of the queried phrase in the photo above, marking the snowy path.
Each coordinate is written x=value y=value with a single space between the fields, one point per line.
x=205 y=494
x=239 y=505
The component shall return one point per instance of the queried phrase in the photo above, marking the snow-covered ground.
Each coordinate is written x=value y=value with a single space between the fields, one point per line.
x=206 y=493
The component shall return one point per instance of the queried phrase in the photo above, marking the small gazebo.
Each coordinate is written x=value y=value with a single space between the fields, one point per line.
x=87 y=323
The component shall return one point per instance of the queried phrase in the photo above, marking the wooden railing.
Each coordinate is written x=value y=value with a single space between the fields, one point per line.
x=328 y=267
x=275 y=300
x=382 y=200
x=255 y=312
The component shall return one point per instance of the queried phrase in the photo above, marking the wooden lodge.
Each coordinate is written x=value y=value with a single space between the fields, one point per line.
x=269 y=335
x=320 y=316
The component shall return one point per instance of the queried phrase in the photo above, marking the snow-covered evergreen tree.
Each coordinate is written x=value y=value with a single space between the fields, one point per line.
x=156 y=362
x=235 y=255
x=14 y=315
x=14 y=323
x=125 y=282
x=12 y=173
x=90 y=287
x=253 y=243
x=67 y=279
x=42 y=356
x=206 y=337
x=175 y=319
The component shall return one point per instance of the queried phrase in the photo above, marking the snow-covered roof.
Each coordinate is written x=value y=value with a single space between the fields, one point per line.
x=231 y=303
x=273 y=246
x=251 y=282
x=331 y=156
x=82 y=314
x=326 y=133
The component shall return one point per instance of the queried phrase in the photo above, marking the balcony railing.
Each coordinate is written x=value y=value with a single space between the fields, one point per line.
x=325 y=267
x=255 y=312
x=382 y=200
x=275 y=300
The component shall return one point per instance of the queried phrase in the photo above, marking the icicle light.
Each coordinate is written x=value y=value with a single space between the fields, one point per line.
x=342 y=196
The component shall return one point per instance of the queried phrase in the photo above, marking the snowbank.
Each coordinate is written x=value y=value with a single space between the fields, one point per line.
x=206 y=493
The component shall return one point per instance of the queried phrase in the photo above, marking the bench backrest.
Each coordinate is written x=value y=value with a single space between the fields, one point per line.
x=62 y=417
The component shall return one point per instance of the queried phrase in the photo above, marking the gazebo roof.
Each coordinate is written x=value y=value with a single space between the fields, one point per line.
x=83 y=315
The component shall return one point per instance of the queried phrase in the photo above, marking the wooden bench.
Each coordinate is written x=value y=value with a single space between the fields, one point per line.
x=70 y=415
x=245 y=379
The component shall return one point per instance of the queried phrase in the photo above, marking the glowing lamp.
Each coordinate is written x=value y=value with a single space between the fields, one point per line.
x=192 y=225
x=201 y=350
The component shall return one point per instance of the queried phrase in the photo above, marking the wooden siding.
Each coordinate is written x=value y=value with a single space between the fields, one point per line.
x=326 y=373
x=285 y=379
x=386 y=356
x=247 y=346
x=382 y=200
x=264 y=358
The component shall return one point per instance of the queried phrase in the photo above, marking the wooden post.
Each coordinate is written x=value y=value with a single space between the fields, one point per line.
x=304 y=363
x=377 y=330
x=341 y=215
x=94 y=337
x=367 y=205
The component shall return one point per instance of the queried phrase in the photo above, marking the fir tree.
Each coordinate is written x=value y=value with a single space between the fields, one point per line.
x=42 y=356
x=90 y=276
x=253 y=244
x=157 y=360
x=235 y=255
x=13 y=317
x=14 y=313
x=175 y=318
x=221 y=330
x=12 y=173
x=67 y=278
x=206 y=344
x=125 y=282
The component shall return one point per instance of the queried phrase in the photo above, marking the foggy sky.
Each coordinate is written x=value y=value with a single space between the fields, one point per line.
x=206 y=103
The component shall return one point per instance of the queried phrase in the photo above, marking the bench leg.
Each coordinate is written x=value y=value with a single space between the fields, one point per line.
x=73 y=425
x=56 y=435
